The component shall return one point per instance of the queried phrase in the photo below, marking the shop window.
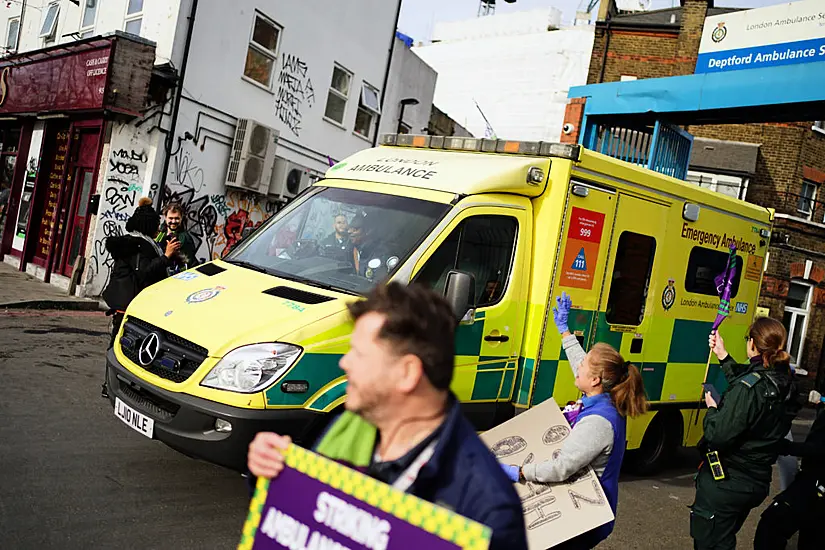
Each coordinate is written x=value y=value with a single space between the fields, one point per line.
x=807 y=198
x=338 y=94
x=368 y=111
x=481 y=245
x=704 y=265
x=262 y=52
x=795 y=318
x=12 y=33
x=133 y=22
x=49 y=27
x=87 y=19
x=631 y=279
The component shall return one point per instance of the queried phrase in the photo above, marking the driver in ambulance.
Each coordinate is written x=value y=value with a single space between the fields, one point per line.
x=368 y=254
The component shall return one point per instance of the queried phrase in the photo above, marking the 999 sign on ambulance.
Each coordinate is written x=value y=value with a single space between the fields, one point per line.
x=251 y=342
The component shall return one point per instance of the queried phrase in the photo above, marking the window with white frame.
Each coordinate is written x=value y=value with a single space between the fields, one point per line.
x=262 y=53
x=819 y=125
x=133 y=22
x=87 y=16
x=369 y=107
x=12 y=33
x=732 y=186
x=338 y=94
x=795 y=319
x=49 y=26
x=805 y=204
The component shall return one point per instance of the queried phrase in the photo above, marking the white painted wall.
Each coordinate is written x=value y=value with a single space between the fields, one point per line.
x=520 y=81
x=160 y=20
x=410 y=76
x=127 y=167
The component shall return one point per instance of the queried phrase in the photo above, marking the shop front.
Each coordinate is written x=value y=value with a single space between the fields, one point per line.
x=55 y=108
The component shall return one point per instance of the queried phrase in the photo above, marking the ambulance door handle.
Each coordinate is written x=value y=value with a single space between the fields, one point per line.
x=491 y=338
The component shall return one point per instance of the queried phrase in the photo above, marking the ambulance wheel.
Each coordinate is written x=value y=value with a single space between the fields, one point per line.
x=661 y=439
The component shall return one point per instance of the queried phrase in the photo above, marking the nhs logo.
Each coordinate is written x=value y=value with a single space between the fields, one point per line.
x=741 y=307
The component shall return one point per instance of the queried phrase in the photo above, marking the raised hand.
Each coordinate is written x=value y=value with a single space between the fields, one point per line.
x=561 y=311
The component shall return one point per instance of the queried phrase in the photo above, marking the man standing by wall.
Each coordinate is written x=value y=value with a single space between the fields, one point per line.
x=174 y=225
x=402 y=425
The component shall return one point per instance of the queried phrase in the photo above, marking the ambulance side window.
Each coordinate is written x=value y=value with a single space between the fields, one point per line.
x=630 y=279
x=704 y=265
x=481 y=245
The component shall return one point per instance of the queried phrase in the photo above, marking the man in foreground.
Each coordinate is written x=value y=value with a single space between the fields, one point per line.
x=402 y=425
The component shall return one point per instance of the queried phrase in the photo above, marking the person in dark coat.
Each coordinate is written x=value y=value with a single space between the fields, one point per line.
x=742 y=431
x=402 y=425
x=138 y=263
x=800 y=507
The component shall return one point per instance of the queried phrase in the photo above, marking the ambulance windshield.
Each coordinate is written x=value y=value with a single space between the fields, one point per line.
x=340 y=239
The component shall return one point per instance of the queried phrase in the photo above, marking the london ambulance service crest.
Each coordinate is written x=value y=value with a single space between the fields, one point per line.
x=204 y=295
x=669 y=295
x=719 y=33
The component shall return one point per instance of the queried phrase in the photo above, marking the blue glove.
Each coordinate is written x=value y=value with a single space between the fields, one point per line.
x=512 y=472
x=561 y=311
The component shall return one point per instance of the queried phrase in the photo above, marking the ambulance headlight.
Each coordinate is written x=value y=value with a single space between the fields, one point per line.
x=250 y=369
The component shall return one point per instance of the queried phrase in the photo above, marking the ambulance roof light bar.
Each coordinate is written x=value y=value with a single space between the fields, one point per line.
x=453 y=143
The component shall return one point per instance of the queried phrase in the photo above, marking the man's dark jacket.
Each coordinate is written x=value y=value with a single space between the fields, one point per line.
x=137 y=265
x=464 y=476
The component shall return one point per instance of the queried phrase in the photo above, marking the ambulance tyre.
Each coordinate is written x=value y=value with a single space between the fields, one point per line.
x=661 y=439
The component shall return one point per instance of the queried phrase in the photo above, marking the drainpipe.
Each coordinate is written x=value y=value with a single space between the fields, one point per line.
x=606 y=47
x=170 y=137
x=387 y=73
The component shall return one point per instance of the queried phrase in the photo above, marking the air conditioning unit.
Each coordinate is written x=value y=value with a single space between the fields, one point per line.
x=288 y=179
x=252 y=156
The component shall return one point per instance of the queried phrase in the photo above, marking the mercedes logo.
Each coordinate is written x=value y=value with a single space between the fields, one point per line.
x=149 y=349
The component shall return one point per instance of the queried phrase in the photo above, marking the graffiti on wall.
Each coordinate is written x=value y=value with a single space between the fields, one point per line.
x=295 y=92
x=126 y=168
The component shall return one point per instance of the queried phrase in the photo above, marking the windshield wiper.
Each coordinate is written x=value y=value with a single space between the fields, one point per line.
x=248 y=265
x=312 y=282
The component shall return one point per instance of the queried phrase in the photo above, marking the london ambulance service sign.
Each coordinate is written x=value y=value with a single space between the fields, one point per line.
x=785 y=34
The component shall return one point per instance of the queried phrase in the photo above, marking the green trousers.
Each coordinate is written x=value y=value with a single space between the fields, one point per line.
x=721 y=507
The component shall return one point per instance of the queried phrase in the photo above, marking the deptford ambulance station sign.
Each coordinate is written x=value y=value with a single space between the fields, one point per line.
x=766 y=37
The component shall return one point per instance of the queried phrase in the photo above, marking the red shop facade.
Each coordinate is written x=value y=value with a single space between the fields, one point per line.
x=55 y=105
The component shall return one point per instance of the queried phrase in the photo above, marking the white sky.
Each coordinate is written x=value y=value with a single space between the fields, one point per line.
x=418 y=17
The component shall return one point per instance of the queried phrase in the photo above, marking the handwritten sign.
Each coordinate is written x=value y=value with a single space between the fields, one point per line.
x=584 y=235
x=316 y=503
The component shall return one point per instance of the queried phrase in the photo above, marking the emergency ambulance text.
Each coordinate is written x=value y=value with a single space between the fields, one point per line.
x=716 y=240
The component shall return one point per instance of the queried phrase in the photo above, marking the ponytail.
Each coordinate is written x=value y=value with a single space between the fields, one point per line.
x=629 y=394
x=769 y=338
x=621 y=379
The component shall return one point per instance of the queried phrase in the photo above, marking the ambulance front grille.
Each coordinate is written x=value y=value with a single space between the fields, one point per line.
x=177 y=358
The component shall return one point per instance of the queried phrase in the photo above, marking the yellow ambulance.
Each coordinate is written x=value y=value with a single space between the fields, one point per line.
x=251 y=342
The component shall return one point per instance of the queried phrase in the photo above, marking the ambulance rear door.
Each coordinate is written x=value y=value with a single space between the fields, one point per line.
x=581 y=260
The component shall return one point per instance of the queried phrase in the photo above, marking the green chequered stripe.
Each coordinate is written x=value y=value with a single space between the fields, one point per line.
x=329 y=396
x=464 y=533
x=653 y=377
x=545 y=381
x=604 y=334
x=507 y=385
x=468 y=338
x=253 y=519
x=487 y=384
x=525 y=380
x=689 y=341
x=319 y=369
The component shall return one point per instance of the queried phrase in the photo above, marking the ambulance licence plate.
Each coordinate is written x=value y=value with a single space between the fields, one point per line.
x=138 y=422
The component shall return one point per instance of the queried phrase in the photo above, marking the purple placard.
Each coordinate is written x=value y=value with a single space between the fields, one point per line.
x=294 y=500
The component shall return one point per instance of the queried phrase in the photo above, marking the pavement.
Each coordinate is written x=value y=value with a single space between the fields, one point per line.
x=20 y=290
x=74 y=476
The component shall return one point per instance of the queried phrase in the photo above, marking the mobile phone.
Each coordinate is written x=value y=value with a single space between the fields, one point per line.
x=714 y=393
x=715 y=466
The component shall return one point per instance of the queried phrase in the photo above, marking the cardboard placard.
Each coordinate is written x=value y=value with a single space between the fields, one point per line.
x=553 y=512
x=316 y=503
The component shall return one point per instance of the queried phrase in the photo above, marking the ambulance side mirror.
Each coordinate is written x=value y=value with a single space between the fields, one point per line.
x=460 y=293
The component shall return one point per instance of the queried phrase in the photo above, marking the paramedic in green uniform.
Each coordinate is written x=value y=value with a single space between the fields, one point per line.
x=743 y=430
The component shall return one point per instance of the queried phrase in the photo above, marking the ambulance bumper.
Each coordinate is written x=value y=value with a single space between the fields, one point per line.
x=187 y=423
